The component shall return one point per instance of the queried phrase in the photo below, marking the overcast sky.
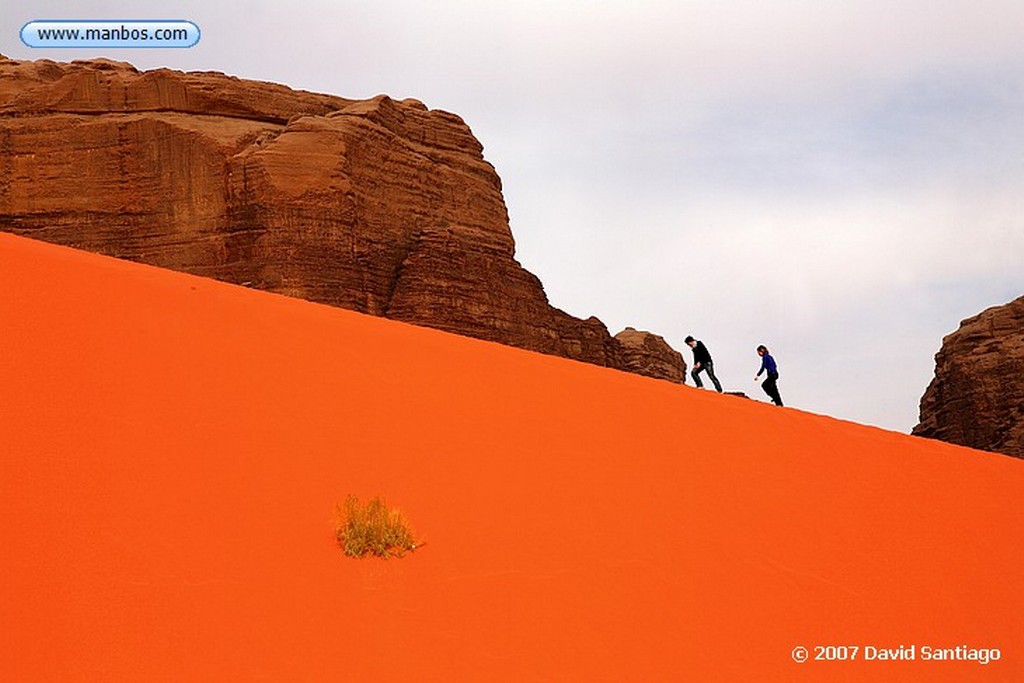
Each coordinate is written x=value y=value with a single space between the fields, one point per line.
x=840 y=180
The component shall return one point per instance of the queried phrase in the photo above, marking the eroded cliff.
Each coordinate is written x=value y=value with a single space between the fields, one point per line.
x=977 y=396
x=376 y=205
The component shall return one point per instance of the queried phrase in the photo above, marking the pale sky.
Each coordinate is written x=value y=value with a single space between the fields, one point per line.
x=841 y=181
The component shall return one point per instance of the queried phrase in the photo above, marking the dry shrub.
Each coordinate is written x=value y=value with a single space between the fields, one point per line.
x=373 y=529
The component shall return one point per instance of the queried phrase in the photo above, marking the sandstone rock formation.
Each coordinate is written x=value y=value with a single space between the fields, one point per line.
x=376 y=205
x=977 y=396
x=648 y=354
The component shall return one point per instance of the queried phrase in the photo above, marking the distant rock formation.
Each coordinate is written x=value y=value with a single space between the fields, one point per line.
x=648 y=354
x=379 y=206
x=977 y=396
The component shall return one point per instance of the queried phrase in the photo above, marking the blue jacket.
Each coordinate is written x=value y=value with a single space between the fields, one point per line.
x=768 y=363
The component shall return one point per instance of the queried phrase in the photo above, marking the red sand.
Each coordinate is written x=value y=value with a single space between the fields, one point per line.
x=174 y=448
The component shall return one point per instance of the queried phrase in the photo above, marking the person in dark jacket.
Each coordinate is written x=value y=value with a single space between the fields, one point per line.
x=768 y=365
x=701 y=362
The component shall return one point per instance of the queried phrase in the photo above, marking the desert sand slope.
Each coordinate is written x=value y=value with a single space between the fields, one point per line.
x=174 y=448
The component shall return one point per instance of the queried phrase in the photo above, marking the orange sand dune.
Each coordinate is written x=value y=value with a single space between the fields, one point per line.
x=174 y=448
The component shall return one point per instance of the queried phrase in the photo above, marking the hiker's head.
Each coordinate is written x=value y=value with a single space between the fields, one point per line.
x=690 y=341
x=762 y=349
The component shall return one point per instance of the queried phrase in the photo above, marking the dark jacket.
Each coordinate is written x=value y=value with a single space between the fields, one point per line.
x=701 y=354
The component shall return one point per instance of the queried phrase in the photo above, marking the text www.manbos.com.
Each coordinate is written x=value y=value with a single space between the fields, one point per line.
x=49 y=33
x=107 y=34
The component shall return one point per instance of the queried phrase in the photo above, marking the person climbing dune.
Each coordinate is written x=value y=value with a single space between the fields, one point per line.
x=768 y=365
x=701 y=362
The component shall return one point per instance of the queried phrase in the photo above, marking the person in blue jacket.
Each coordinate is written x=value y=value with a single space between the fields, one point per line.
x=768 y=365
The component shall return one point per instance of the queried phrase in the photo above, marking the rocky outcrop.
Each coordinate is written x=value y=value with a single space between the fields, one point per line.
x=648 y=354
x=379 y=206
x=977 y=396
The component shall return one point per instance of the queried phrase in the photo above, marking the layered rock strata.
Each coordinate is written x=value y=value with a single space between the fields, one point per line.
x=379 y=206
x=648 y=354
x=977 y=396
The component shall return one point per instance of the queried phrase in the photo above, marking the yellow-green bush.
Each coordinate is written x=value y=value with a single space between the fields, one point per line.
x=373 y=529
